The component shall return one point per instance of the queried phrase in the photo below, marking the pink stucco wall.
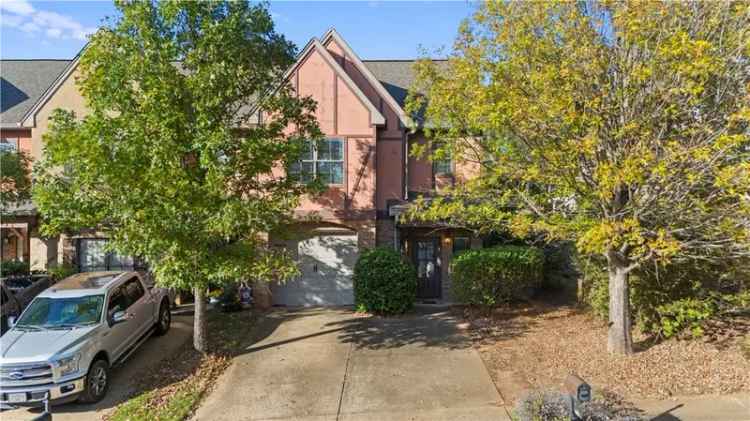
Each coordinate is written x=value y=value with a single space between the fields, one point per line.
x=420 y=170
x=390 y=137
x=375 y=156
x=340 y=114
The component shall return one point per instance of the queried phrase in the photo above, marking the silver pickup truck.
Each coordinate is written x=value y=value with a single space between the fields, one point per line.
x=64 y=343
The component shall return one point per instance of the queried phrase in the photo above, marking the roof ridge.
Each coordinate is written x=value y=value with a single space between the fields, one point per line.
x=402 y=59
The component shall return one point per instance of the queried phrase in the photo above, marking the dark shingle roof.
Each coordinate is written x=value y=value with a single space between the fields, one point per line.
x=396 y=76
x=25 y=81
x=22 y=83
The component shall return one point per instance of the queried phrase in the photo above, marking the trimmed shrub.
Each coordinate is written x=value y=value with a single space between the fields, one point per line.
x=14 y=267
x=488 y=277
x=383 y=282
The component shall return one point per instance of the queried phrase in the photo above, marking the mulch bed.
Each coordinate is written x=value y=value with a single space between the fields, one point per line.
x=535 y=346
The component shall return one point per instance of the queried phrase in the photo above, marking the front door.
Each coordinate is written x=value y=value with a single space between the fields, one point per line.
x=426 y=256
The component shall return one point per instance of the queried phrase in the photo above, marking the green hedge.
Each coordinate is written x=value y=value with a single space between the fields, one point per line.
x=679 y=299
x=488 y=277
x=14 y=267
x=383 y=282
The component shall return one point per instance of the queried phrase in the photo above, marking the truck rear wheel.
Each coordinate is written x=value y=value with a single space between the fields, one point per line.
x=97 y=382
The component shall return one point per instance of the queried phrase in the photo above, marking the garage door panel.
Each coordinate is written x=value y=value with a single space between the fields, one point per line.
x=326 y=264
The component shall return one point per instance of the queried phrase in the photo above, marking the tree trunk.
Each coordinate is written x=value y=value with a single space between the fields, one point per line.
x=619 y=340
x=200 y=341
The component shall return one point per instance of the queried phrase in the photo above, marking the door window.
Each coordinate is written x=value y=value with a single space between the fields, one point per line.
x=425 y=259
x=118 y=301
x=134 y=290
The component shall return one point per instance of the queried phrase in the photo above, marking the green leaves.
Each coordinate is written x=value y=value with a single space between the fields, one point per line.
x=170 y=161
x=383 y=282
x=15 y=180
x=496 y=275
x=622 y=125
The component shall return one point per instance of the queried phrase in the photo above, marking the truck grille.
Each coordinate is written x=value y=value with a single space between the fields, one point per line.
x=33 y=374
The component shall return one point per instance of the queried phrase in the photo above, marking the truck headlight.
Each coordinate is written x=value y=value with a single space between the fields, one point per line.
x=67 y=365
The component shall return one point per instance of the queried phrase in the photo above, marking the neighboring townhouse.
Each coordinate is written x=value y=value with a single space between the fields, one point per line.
x=364 y=159
x=22 y=84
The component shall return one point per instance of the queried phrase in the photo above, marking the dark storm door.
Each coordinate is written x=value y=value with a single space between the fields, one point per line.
x=426 y=252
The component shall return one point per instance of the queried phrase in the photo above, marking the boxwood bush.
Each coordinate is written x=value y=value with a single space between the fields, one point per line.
x=488 y=277
x=383 y=282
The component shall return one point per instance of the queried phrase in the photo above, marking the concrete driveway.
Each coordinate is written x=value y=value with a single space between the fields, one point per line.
x=330 y=364
x=123 y=379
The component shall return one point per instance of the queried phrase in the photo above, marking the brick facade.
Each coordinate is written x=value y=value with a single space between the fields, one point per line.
x=385 y=233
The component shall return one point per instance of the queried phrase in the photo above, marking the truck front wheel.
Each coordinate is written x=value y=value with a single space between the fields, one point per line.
x=97 y=382
x=164 y=320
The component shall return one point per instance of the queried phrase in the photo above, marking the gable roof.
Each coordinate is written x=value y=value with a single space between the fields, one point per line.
x=376 y=117
x=22 y=84
x=28 y=84
x=367 y=73
x=51 y=90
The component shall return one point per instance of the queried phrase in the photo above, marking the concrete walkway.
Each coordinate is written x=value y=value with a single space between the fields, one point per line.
x=735 y=407
x=329 y=364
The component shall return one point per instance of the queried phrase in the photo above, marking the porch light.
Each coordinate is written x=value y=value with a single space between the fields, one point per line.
x=447 y=240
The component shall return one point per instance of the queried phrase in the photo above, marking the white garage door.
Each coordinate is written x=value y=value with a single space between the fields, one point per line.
x=326 y=263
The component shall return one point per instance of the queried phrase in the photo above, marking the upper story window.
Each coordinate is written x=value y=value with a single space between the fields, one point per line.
x=442 y=166
x=323 y=160
x=9 y=144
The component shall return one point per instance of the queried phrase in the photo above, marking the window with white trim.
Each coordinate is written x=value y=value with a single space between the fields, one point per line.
x=323 y=160
x=443 y=165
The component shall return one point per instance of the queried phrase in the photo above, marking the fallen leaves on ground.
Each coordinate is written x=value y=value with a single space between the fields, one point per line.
x=174 y=389
x=541 y=343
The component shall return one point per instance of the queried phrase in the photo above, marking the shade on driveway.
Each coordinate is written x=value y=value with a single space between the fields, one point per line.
x=330 y=364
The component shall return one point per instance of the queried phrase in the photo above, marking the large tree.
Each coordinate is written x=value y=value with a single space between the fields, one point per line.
x=622 y=125
x=170 y=160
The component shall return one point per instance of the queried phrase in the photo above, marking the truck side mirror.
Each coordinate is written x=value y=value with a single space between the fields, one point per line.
x=11 y=321
x=120 y=317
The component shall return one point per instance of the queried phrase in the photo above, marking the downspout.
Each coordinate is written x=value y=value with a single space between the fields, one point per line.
x=405 y=173
x=406 y=165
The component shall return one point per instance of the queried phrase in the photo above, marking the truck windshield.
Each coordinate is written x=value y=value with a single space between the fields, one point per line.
x=50 y=313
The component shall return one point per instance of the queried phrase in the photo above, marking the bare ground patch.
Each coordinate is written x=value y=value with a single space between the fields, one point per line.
x=535 y=346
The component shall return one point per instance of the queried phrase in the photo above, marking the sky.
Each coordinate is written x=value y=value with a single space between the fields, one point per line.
x=374 y=29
